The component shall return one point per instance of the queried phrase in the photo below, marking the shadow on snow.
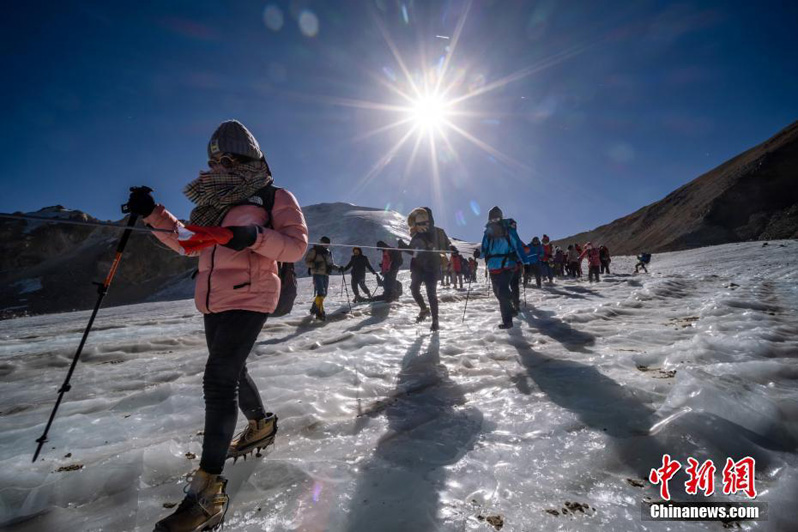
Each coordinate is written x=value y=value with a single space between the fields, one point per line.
x=399 y=486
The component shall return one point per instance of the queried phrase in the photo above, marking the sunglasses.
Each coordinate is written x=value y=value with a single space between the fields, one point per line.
x=225 y=161
x=422 y=223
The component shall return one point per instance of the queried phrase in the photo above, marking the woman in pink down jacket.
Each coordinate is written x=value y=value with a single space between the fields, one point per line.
x=237 y=286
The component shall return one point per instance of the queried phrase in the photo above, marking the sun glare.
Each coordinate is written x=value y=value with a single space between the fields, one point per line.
x=437 y=102
x=429 y=112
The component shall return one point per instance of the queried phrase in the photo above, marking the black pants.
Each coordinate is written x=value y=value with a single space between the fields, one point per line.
x=361 y=283
x=501 y=289
x=575 y=269
x=515 y=288
x=605 y=266
x=536 y=272
x=591 y=272
x=430 y=280
x=389 y=285
x=226 y=384
x=640 y=265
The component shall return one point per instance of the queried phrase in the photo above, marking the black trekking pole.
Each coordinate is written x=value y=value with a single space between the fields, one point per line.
x=343 y=280
x=102 y=289
x=466 y=303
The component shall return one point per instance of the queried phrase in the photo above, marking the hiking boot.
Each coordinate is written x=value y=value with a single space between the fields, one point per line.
x=434 y=327
x=203 y=507
x=257 y=435
x=422 y=315
x=314 y=310
x=506 y=325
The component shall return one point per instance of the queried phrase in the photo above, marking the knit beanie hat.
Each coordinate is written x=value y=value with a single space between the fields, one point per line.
x=325 y=239
x=233 y=138
x=495 y=213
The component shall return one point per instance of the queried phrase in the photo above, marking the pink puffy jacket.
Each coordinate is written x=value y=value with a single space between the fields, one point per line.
x=247 y=279
x=593 y=257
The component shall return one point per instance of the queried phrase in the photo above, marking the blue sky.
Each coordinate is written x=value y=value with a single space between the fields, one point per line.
x=570 y=114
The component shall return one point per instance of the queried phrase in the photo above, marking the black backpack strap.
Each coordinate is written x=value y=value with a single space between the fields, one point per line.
x=266 y=194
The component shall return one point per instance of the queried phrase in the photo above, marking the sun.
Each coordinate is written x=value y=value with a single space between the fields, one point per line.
x=436 y=103
x=429 y=112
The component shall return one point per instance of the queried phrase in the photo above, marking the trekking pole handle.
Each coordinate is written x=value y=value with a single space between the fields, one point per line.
x=145 y=189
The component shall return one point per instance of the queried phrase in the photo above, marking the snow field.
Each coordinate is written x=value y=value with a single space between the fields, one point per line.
x=385 y=426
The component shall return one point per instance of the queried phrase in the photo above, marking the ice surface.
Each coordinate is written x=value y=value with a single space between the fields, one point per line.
x=384 y=426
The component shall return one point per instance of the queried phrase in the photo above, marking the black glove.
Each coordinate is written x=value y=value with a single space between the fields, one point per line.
x=401 y=244
x=140 y=201
x=243 y=236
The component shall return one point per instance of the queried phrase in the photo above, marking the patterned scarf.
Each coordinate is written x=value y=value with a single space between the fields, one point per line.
x=215 y=193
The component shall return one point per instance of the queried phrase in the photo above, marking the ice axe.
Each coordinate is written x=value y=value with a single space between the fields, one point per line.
x=102 y=289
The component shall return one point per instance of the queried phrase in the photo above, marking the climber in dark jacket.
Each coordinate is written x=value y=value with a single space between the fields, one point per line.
x=425 y=245
x=359 y=263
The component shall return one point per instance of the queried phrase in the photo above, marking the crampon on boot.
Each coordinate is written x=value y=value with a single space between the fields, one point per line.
x=256 y=436
x=422 y=315
x=203 y=507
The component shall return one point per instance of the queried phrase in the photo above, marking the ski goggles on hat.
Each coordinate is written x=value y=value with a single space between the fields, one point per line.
x=225 y=161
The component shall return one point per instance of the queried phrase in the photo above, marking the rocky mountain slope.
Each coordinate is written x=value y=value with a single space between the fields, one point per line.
x=753 y=196
x=51 y=267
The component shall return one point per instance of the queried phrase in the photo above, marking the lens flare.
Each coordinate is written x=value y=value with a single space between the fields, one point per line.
x=475 y=207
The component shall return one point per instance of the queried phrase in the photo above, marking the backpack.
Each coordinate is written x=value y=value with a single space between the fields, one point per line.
x=396 y=259
x=645 y=257
x=285 y=270
x=498 y=231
